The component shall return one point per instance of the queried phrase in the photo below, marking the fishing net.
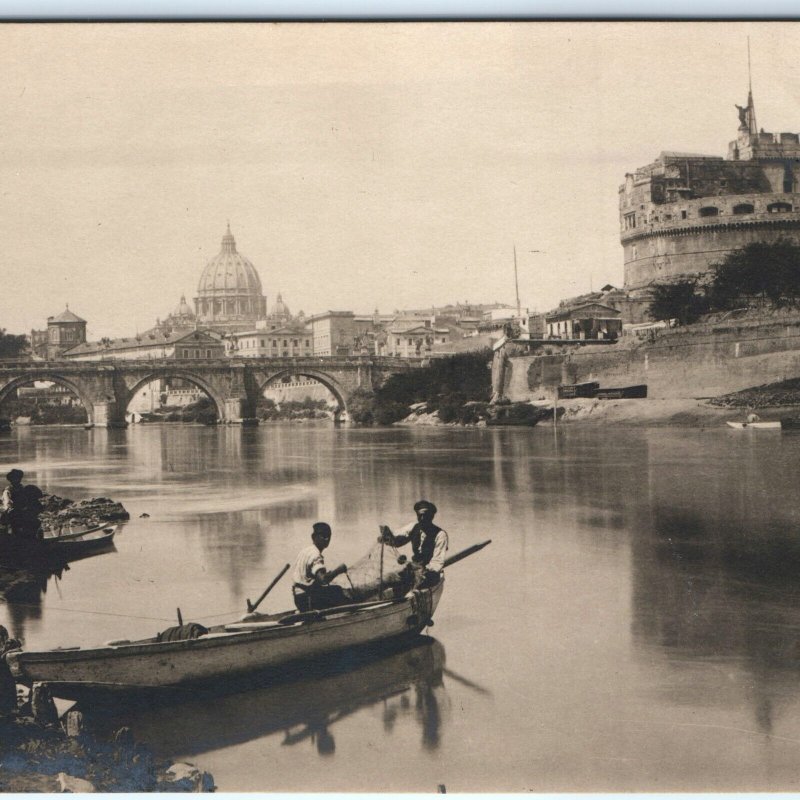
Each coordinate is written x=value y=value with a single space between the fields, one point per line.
x=381 y=573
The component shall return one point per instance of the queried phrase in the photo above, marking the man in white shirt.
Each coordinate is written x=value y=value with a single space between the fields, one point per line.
x=428 y=542
x=310 y=580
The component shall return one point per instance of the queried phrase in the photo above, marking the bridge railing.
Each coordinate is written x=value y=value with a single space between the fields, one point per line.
x=299 y=361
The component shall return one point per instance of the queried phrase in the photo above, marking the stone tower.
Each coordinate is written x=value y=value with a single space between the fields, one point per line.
x=684 y=212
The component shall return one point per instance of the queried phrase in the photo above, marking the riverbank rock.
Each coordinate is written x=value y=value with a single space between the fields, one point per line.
x=45 y=759
x=73 y=785
x=769 y=395
x=61 y=512
x=185 y=777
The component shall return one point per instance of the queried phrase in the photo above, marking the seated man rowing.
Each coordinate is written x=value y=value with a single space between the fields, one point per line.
x=310 y=580
x=428 y=542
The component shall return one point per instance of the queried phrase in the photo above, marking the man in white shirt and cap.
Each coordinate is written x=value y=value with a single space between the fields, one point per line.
x=310 y=580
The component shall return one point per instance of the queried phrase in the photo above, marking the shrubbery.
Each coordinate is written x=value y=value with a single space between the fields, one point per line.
x=445 y=385
x=307 y=408
x=758 y=274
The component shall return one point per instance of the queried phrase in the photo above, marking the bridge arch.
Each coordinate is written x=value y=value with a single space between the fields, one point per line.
x=181 y=374
x=74 y=386
x=332 y=385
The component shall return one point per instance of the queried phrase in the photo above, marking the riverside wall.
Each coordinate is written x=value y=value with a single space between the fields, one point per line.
x=696 y=361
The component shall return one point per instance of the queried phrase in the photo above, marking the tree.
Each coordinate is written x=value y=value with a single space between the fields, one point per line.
x=680 y=301
x=760 y=271
x=12 y=345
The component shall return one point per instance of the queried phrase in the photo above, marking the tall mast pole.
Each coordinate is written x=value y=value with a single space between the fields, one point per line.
x=750 y=105
x=516 y=284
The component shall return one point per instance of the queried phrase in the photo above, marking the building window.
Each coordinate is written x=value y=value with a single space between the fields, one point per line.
x=308 y=344
x=779 y=208
x=744 y=208
x=274 y=342
x=262 y=342
x=683 y=214
x=208 y=354
x=285 y=343
x=186 y=354
x=709 y=211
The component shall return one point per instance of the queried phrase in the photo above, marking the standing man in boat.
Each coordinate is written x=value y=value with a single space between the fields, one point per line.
x=310 y=580
x=22 y=506
x=428 y=542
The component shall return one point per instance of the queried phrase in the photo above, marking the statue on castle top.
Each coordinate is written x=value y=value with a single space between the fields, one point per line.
x=743 y=121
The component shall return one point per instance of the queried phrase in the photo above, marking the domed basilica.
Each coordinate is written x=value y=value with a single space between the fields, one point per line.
x=229 y=298
x=229 y=294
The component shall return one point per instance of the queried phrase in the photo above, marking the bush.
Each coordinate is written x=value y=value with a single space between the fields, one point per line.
x=758 y=271
x=451 y=406
x=444 y=385
x=680 y=300
x=362 y=407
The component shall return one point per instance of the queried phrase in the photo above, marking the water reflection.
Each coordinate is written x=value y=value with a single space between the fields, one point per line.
x=405 y=683
x=22 y=591
x=707 y=591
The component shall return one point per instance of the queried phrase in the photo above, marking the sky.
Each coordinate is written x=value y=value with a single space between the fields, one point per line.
x=361 y=165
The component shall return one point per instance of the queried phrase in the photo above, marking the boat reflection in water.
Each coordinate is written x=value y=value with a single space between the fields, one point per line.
x=21 y=591
x=302 y=706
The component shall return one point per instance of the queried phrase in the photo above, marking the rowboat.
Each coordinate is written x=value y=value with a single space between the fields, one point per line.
x=776 y=425
x=254 y=643
x=61 y=549
x=62 y=536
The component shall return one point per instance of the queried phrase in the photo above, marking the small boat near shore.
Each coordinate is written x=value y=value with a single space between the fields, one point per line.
x=761 y=425
x=256 y=642
x=64 y=548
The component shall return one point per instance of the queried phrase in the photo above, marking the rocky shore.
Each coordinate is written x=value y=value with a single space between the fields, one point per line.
x=41 y=751
x=45 y=746
x=771 y=401
x=60 y=512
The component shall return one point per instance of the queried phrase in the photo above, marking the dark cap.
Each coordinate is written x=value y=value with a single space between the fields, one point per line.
x=321 y=529
x=420 y=504
x=14 y=475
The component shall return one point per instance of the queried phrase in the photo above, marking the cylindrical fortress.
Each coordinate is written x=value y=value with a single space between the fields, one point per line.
x=684 y=212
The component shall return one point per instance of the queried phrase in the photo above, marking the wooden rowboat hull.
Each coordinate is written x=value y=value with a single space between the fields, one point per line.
x=56 y=549
x=224 y=651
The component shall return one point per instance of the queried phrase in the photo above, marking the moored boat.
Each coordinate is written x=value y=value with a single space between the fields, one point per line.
x=67 y=547
x=762 y=425
x=257 y=642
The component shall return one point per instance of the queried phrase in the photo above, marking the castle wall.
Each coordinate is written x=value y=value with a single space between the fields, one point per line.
x=691 y=362
x=691 y=248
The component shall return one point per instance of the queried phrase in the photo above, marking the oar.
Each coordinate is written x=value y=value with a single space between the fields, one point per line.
x=251 y=607
x=464 y=553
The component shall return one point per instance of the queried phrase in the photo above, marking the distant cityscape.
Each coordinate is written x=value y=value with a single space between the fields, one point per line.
x=678 y=216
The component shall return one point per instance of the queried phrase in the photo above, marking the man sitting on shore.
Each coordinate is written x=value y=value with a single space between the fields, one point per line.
x=22 y=506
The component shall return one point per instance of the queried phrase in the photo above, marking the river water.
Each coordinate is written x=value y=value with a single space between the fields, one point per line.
x=634 y=625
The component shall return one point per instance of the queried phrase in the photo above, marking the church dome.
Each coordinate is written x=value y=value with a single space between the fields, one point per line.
x=229 y=273
x=280 y=309
x=229 y=294
x=183 y=309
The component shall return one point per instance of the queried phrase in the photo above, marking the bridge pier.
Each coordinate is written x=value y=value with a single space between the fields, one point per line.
x=238 y=411
x=107 y=415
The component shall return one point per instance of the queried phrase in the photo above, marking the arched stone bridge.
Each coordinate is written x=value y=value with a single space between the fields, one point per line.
x=234 y=384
